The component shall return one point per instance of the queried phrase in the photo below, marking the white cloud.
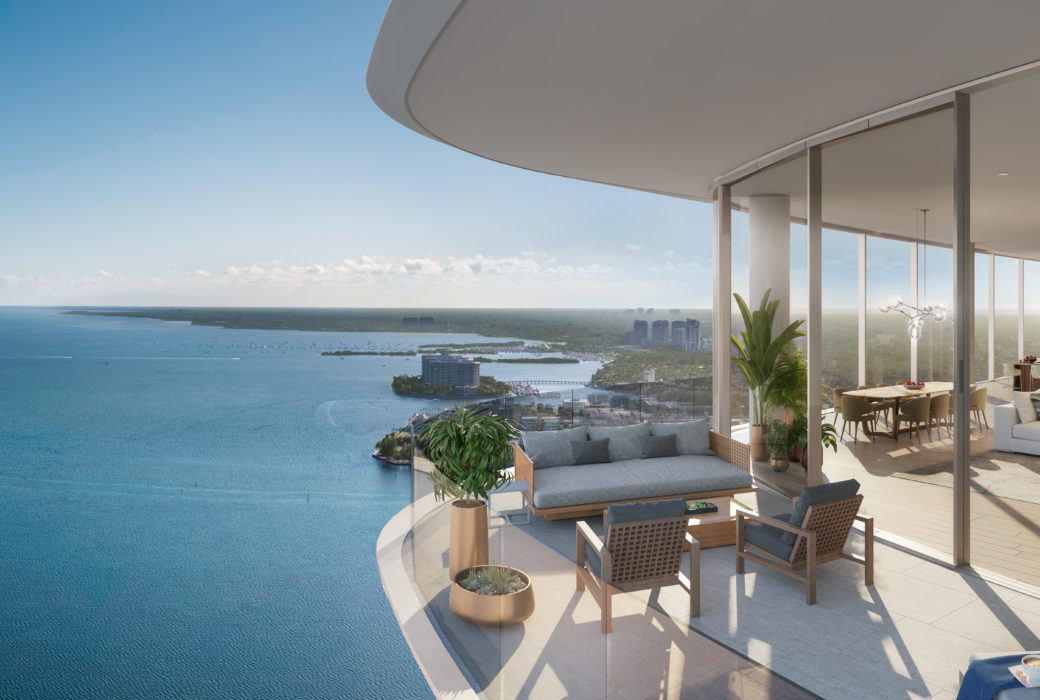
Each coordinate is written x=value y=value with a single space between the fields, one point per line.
x=633 y=246
x=16 y=281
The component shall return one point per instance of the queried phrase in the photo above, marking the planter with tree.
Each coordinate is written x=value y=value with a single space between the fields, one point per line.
x=757 y=355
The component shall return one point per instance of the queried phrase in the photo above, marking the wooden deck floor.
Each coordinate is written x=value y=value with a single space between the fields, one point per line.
x=1005 y=533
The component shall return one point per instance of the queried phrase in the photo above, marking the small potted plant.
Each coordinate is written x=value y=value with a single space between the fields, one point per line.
x=470 y=451
x=492 y=595
x=778 y=443
x=800 y=437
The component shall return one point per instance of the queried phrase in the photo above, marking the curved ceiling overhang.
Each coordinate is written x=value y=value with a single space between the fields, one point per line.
x=666 y=96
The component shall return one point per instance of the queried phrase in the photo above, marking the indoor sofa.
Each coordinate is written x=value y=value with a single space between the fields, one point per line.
x=577 y=472
x=1015 y=425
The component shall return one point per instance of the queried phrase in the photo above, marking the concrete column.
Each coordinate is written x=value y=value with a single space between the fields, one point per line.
x=814 y=330
x=721 y=311
x=769 y=218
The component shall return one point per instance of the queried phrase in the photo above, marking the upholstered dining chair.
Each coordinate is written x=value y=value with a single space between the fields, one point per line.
x=939 y=407
x=977 y=404
x=883 y=406
x=856 y=410
x=794 y=544
x=836 y=394
x=917 y=411
x=643 y=549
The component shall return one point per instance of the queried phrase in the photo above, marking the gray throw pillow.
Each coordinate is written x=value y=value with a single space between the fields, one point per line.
x=691 y=437
x=551 y=448
x=624 y=439
x=1035 y=398
x=658 y=446
x=590 y=451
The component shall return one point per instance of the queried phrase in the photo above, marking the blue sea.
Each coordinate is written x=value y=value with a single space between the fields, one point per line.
x=190 y=511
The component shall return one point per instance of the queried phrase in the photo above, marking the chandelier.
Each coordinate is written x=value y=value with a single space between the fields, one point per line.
x=917 y=315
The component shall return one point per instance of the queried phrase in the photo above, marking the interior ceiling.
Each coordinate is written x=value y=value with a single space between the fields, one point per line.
x=879 y=180
x=665 y=96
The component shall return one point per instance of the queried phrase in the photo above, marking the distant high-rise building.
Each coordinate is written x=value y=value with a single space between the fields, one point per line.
x=693 y=334
x=659 y=332
x=451 y=370
x=679 y=333
x=639 y=332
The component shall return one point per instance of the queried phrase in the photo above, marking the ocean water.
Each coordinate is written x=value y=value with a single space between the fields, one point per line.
x=192 y=511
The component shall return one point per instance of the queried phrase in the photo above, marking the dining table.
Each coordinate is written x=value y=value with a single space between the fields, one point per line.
x=898 y=393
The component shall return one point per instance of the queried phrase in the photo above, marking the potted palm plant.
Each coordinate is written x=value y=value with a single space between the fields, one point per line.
x=757 y=352
x=778 y=441
x=470 y=451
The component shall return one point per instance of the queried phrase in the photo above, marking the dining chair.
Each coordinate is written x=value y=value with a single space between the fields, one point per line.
x=837 y=403
x=977 y=404
x=856 y=409
x=916 y=411
x=1010 y=374
x=883 y=406
x=940 y=412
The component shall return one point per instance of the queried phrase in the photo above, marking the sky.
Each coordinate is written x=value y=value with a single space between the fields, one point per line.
x=228 y=153
x=209 y=153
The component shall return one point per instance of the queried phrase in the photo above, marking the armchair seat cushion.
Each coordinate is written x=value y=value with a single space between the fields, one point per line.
x=1026 y=431
x=768 y=537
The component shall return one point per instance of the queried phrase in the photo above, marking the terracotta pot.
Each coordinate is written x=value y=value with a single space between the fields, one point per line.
x=469 y=535
x=759 y=451
x=796 y=454
x=779 y=465
x=492 y=609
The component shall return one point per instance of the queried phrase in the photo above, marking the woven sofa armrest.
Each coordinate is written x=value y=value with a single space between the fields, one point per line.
x=778 y=524
x=733 y=451
x=523 y=469
x=582 y=534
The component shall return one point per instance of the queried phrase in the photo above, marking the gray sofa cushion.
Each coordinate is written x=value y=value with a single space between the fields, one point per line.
x=590 y=451
x=636 y=478
x=624 y=439
x=811 y=495
x=551 y=448
x=658 y=446
x=691 y=437
x=1026 y=431
x=768 y=537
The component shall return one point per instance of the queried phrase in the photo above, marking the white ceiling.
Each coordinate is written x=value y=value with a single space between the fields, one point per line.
x=666 y=95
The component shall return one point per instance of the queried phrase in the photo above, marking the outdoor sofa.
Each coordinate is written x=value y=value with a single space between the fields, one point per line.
x=578 y=472
x=1015 y=425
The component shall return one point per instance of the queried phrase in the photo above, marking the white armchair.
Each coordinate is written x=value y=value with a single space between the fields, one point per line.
x=1012 y=435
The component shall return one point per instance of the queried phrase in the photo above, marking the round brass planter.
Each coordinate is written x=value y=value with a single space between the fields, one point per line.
x=492 y=609
x=469 y=535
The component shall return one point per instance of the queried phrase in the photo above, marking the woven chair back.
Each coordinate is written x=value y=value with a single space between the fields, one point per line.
x=832 y=523
x=646 y=553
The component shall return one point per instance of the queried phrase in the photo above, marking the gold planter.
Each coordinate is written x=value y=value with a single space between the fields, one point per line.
x=492 y=609
x=779 y=464
x=759 y=451
x=469 y=535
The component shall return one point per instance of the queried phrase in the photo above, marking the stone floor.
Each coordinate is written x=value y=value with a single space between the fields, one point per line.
x=906 y=637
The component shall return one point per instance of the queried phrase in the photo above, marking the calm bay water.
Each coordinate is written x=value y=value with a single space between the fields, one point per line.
x=192 y=512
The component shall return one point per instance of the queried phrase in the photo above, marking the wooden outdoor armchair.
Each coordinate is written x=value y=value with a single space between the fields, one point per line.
x=643 y=549
x=796 y=550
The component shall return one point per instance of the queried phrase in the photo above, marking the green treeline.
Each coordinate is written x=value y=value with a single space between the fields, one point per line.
x=352 y=353
x=412 y=384
x=397 y=445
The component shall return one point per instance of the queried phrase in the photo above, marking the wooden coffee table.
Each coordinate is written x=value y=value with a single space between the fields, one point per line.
x=716 y=529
